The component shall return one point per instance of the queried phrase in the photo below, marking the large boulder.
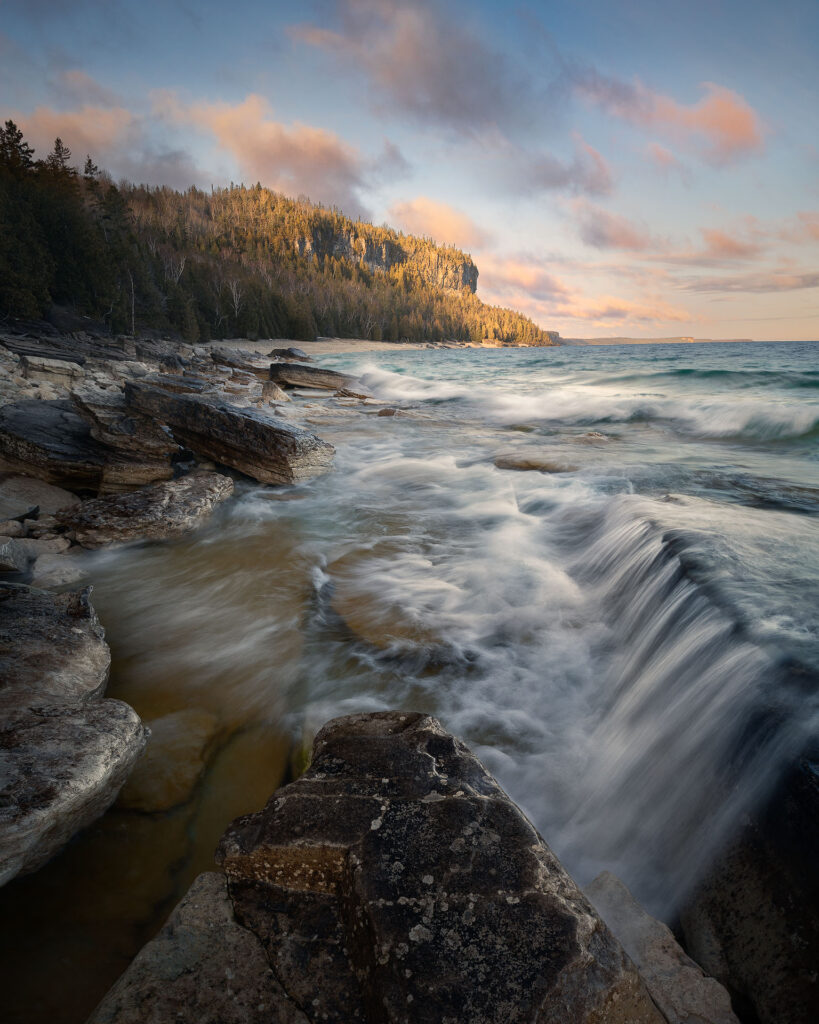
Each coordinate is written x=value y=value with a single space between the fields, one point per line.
x=676 y=984
x=64 y=751
x=263 y=447
x=395 y=881
x=297 y=375
x=25 y=496
x=153 y=513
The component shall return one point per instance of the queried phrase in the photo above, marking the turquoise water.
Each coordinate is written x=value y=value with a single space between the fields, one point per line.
x=629 y=639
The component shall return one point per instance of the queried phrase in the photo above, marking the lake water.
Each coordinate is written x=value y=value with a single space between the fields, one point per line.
x=627 y=636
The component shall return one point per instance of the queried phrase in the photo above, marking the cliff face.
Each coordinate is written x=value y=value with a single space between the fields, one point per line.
x=441 y=267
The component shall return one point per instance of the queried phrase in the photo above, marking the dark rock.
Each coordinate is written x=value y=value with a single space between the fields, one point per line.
x=186 y=383
x=153 y=513
x=261 y=446
x=13 y=557
x=172 y=363
x=387 y=412
x=295 y=375
x=395 y=881
x=753 y=922
x=202 y=967
x=65 y=752
x=538 y=463
x=237 y=359
x=51 y=441
x=290 y=353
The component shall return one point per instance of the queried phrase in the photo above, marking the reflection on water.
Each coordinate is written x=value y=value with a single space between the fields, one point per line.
x=607 y=638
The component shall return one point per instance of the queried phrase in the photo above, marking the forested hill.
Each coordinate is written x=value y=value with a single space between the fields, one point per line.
x=231 y=262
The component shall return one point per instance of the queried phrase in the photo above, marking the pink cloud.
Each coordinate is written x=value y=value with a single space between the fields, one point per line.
x=605 y=230
x=721 y=245
x=722 y=126
x=96 y=130
x=298 y=159
x=445 y=224
x=503 y=279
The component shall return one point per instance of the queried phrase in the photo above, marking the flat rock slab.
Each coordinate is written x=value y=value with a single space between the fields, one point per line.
x=50 y=441
x=19 y=495
x=61 y=767
x=263 y=447
x=153 y=513
x=297 y=375
x=290 y=353
x=202 y=967
x=677 y=985
x=58 y=371
x=52 y=647
x=396 y=882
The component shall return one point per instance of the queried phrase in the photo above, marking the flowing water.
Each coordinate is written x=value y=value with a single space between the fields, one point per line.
x=627 y=634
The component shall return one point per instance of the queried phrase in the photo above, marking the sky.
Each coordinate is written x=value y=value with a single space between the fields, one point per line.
x=615 y=167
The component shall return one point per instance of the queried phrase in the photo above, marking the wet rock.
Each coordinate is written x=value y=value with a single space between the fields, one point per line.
x=271 y=392
x=156 y=512
x=58 y=570
x=21 y=495
x=676 y=984
x=137 y=438
x=753 y=922
x=290 y=353
x=202 y=968
x=63 y=765
x=395 y=881
x=261 y=446
x=64 y=751
x=356 y=390
x=387 y=412
x=296 y=375
x=175 y=757
x=50 y=441
x=13 y=557
x=537 y=463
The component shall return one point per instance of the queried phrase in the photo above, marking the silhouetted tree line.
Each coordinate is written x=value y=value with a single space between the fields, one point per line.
x=233 y=262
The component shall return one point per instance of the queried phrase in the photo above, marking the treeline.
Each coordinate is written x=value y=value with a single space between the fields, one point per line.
x=233 y=262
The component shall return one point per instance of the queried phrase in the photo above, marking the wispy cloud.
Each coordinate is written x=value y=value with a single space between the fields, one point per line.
x=722 y=127
x=439 y=221
x=604 y=230
x=756 y=283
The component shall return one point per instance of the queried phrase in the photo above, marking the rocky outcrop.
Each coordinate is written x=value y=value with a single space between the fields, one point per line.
x=153 y=513
x=297 y=375
x=261 y=446
x=753 y=922
x=676 y=984
x=65 y=752
x=394 y=881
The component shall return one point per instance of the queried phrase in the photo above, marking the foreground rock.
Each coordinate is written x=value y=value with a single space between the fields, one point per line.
x=64 y=751
x=297 y=375
x=203 y=966
x=152 y=513
x=536 y=463
x=24 y=496
x=290 y=353
x=268 y=449
x=676 y=984
x=753 y=922
x=395 y=881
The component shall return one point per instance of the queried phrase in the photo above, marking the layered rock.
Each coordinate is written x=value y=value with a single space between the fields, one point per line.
x=297 y=375
x=395 y=881
x=676 y=984
x=237 y=359
x=54 y=371
x=65 y=751
x=268 y=449
x=136 y=438
x=153 y=513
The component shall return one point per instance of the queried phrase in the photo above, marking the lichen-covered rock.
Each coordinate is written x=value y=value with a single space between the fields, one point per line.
x=64 y=751
x=153 y=513
x=202 y=967
x=676 y=984
x=396 y=882
x=261 y=446
x=62 y=767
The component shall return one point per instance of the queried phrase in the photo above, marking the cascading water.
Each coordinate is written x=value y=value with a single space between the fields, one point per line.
x=611 y=636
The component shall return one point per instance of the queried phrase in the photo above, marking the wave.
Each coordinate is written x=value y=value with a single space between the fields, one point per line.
x=735 y=378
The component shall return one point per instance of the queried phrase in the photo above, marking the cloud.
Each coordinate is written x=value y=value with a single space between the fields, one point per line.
x=720 y=245
x=722 y=127
x=419 y=60
x=603 y=230
x=759 y=283
x=100 y=131
x=77 y=86
x=588 y=172
x=445 y=224
x=503 y=279
x=297 y=159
